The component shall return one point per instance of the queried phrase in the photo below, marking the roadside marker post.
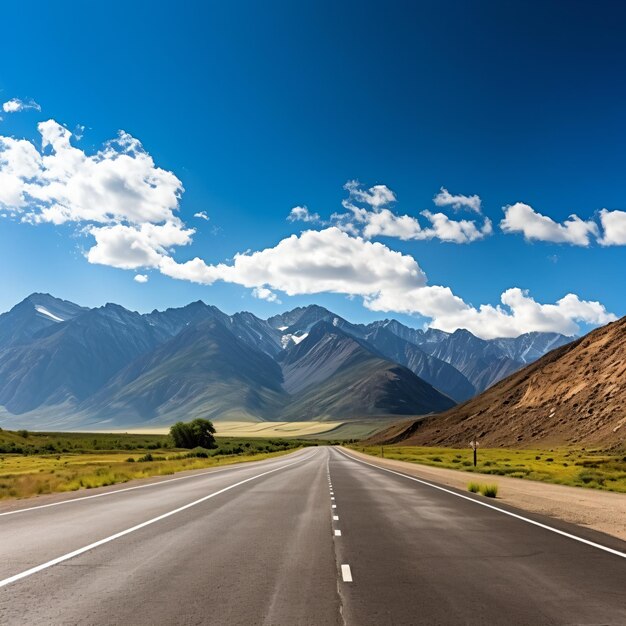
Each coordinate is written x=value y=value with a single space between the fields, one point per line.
x=474 y=446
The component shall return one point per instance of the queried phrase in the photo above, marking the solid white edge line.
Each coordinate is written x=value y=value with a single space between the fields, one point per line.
x=233 y=466
x=346 y=574
x=96 y=544
x=490 y=506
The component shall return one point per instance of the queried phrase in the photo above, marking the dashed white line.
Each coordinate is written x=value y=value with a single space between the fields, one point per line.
x=336 y=518
x=332 y=497
x=337 y=533
x=334 y=506
x=346 y=574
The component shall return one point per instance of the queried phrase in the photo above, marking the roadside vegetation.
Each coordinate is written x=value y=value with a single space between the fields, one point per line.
x=37 y=463
x=597 y=469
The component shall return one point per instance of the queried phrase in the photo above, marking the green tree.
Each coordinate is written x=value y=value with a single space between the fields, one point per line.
x=197 y=433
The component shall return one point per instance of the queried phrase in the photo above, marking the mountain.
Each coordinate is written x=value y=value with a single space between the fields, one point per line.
x=204 y=370
x=438 y=373
x=575 y=394
x=37 y=312
x=62 y=363
x=335 y=375
x=483 y=362
x=68 y=361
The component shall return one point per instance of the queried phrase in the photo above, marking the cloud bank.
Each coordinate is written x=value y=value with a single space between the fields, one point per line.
x=129 y=208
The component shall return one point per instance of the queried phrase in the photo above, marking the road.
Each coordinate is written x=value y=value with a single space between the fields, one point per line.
x=313 y=537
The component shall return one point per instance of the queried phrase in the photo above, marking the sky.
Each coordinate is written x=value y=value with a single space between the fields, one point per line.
x=452 y=164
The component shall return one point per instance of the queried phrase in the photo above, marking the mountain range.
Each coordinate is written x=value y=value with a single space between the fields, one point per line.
x=67 y=366
x=574 y=395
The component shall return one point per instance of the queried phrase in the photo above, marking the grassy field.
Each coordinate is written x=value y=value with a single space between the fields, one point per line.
x=36 y=463
x=565 y=466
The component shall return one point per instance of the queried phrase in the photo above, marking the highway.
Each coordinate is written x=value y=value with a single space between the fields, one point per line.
x=313 y=537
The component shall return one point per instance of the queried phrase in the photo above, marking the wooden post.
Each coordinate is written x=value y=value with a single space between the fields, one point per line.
x=382 y=452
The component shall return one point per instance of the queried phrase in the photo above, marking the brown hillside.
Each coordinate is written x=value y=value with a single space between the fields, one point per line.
x=575 y=394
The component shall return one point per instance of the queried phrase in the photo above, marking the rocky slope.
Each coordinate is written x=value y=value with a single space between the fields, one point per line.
x=575 y=394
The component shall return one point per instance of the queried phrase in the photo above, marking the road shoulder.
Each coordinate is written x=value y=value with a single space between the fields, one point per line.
x=603 y=511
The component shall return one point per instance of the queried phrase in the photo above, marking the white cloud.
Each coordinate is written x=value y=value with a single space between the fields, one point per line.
x=202 y=215
x=457 y=202
x=405 y=227
x=376 y=196
x=614 y=227
x=117 y=195
x=381 y=221
x=328 y=260
x=263 y=293
x=522 y=218
x=15 y=105
x=141 y=278
x=331 y=260
x=301 y=214
x=519 y=314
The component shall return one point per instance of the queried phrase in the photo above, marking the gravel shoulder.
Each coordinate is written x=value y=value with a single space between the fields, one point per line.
x=603 y=511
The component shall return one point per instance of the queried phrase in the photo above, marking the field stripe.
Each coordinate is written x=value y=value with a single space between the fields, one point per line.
x=593 y=544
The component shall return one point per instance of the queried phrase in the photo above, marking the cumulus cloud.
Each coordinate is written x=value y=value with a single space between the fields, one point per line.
x=262 y=293
x=302 y=214
x=376 y=220
x=141 y=278
x=614 y=227
x=331 y=260
x=15 y=105
x=328 y=260
x=522 y=218
x=519 y=314
x=117 y=195
x=376 y=196
x=457 y=202
x=202 y=215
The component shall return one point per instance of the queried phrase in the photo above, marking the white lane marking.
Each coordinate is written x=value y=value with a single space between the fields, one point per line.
x=96 y=544
x=337 y=533
x=593 y=544
x=346 y=574
x=334 y=506
x=336 y=518
x=332 y=497
x=234 y=466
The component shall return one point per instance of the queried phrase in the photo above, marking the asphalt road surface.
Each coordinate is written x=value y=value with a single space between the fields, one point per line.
x=314 y=537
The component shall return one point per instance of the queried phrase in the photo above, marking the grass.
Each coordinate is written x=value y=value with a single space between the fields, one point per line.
x=597 y=469
x=490 y=491
x=473 y=487
x=37 y=463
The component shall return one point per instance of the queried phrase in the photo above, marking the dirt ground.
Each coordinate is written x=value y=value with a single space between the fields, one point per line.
x=603 y=511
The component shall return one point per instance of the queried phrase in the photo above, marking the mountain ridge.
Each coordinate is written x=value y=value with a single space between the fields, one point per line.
x=71 y=357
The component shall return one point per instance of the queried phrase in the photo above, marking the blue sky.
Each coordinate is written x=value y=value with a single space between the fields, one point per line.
x=257 y=109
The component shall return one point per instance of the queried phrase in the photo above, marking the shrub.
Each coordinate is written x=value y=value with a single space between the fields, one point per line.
x=23 y=434
x=473 y=487
x=146 y=458
x=490 y=491
x=194 y=434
